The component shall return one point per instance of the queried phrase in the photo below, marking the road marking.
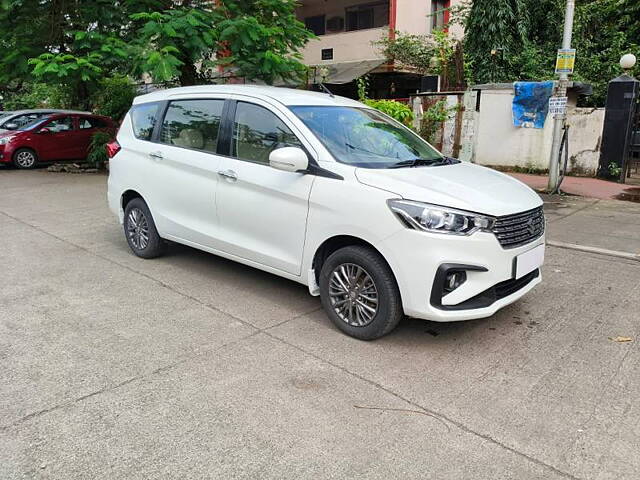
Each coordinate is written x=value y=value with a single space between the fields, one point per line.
x=596 y=250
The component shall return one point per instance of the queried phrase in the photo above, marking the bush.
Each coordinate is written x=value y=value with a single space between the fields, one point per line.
x=97 y=155
x=398 y=111
x=114 y=97
x=37 y=95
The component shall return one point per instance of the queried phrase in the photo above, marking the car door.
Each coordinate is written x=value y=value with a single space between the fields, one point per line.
x=185 y=170
x=262 y=211
x=57 y=139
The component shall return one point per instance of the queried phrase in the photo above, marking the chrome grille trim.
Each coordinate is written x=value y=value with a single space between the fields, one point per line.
x=520 y=228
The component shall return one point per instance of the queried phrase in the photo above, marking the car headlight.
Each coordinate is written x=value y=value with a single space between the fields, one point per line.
x=437 y=219
x=5 y=140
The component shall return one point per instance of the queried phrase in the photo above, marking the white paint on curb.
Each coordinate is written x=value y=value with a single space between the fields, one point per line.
x=596 y=250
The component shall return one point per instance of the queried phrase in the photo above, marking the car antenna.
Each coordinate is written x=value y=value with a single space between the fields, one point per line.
x=326 y=90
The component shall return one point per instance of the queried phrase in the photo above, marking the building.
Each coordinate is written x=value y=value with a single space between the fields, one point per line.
x=347 y=30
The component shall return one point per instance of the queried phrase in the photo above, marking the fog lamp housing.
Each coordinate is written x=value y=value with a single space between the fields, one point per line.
x=453 y=279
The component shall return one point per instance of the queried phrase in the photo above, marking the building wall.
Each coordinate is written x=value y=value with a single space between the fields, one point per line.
x=412 y=16
x=347 y=46
x=496 y=142
x=488 y=137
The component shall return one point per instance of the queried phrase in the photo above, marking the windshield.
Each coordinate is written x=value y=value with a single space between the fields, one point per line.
x=22 y=122
x=365 y=138
x=29 y=125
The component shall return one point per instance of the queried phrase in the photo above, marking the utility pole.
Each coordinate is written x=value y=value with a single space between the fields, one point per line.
x=559 y=119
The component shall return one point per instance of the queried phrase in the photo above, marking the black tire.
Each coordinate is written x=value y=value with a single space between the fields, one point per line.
x=25 y=158
x=138 y=222
x=388 y=311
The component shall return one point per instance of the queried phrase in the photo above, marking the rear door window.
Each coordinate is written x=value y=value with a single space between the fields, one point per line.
x=143 y=119
x=193 y=124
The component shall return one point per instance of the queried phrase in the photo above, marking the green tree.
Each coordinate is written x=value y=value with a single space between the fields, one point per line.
x=495 y=31
x=524 y=36
x=79 y=44
x=434 y=54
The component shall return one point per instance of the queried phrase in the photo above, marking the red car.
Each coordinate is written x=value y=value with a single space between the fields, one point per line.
x=61 y=136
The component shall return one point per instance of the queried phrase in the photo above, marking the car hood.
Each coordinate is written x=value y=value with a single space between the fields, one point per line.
x=4 y=132
x=462 y=185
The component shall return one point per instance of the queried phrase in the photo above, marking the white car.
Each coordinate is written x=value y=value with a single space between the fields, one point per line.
x=329 y=193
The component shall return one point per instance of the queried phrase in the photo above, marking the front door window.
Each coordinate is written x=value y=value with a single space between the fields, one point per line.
x=60 y=125
x=257 y=132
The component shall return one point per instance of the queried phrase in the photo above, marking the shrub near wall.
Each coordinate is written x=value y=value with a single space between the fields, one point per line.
x=396 y=110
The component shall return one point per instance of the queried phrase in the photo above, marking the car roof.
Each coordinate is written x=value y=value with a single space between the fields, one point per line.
x=285 y=96
x=45 y=110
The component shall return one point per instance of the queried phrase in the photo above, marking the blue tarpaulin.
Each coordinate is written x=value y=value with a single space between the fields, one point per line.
x=531 y=103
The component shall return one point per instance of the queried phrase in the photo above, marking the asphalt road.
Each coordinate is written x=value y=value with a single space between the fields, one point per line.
x=191 y=366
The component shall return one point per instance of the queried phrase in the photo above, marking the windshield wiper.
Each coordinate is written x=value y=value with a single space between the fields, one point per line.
x=353 y=147
x=420 y=162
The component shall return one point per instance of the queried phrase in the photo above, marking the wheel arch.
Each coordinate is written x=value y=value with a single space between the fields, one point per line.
x=127 y=196
x=337 y=242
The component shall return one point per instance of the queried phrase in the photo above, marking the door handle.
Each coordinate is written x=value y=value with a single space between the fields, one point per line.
x=229 y=174
x=156 y=155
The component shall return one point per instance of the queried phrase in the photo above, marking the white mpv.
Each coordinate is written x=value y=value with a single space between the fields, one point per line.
x=329 y=193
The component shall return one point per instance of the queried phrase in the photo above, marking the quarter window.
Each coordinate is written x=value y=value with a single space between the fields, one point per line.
x=257 y=132
x=89 y=123
x=193 y=124
x=143 y=119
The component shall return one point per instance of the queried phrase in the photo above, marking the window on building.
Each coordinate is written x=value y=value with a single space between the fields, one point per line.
x=438 y=13
x=315 y=24
x=369 y=15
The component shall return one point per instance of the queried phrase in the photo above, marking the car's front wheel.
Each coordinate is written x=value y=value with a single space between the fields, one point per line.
x=359 y=293
x=25 y=158
x=140 y=230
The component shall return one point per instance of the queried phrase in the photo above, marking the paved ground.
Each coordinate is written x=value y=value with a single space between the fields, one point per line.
x=587 y=187
x=191 y=366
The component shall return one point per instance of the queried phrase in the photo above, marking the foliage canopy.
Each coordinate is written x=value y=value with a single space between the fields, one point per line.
x=76 y=45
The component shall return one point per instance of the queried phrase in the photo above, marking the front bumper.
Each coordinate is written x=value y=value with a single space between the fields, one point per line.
x=416 y=258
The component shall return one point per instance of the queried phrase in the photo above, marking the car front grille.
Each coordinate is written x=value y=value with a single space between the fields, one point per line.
x=520 y=228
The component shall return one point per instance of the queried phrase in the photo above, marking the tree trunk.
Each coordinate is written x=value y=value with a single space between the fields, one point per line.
x=188 y=74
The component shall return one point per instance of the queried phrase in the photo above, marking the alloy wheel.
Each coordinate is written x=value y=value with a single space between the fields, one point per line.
x=138 y=229
x=25 y=159
x=353 y=294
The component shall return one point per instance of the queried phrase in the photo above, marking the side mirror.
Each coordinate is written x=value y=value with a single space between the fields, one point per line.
x=289 y=159
x=44 y=130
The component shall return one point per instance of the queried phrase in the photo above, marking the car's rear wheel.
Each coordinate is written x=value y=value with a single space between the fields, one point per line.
x=140 y=230
x=359 y=293
x=25 y=158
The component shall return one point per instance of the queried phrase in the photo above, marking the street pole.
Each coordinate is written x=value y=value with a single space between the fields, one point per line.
x=559 y=119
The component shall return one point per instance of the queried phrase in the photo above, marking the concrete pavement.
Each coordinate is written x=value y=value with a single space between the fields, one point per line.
x=191 y=366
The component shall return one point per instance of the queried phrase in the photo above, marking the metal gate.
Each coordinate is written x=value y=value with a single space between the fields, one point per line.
x=632 y=163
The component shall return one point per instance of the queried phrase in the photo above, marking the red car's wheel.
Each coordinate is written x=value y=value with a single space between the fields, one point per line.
x=25 y=158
